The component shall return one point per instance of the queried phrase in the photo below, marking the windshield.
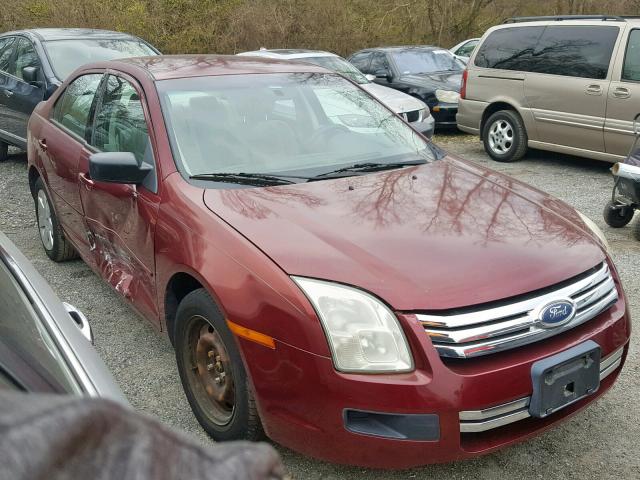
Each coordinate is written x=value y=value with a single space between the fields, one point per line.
x=339 y=65
x=67 y=55
x=426 y=61
x=296 y=123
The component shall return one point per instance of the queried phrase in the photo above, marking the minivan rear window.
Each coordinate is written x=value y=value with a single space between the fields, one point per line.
x=575 y=51
x=509 y=48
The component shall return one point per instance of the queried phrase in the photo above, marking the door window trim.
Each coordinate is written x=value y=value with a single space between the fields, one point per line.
x=147 y=118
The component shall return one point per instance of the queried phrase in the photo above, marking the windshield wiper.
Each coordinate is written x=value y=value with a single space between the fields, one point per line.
x=368 y=167
x=260 y=179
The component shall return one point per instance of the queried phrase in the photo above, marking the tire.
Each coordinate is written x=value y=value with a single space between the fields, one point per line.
x=636 y=230
x=617 y=217
x=205 y=350
x=504 y=136
x=57 y=247
x=4 y=151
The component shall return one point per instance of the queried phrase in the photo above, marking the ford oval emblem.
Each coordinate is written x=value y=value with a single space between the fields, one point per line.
x=557 y=313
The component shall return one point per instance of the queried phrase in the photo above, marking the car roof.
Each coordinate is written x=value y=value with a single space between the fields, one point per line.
x=164 y=67
x=46 y=34
x=290 y=53
x=401 y=47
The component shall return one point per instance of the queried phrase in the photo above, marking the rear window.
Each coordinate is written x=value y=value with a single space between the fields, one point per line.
x=570 y=50
x=509 y=48
x=575 y=51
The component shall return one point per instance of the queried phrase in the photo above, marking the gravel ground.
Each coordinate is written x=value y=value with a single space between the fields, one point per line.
x=597 y=443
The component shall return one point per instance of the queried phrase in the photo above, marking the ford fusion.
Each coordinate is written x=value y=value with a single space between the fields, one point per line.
x=326 y=275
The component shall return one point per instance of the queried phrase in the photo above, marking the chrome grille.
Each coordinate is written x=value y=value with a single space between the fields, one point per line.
x=474 y=421
x=491 y=330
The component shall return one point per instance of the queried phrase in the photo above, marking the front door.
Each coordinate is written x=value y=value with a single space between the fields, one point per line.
x=568 y=82
x=623 y=103
x=7 y=50
x=22 y=96
x=120 y=219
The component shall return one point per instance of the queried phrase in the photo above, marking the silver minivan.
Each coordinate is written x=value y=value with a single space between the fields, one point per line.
x=568 y=84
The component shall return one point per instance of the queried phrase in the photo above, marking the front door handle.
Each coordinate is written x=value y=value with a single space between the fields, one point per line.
x=7 y=93
x=594 y=89
x=43 y=144
x=621 y=92
x=86 y=181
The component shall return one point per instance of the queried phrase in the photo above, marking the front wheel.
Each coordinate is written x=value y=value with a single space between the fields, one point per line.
x=211 y=370
x=4 y=151
x=617 y=216
x=504 y=136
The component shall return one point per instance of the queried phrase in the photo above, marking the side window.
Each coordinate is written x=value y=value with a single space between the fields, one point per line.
x=120 y=125
x=73 y=108
x=361 y=61
x=26 y=56
x=509 y=48
x=379 y=62
x=631 y=68
x=6 y=53
x=575 y=51
x=467 y=49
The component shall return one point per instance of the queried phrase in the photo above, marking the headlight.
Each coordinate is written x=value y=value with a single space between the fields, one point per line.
x=595 y=229
x=447 y=96
x=424 y=113
x=363 y=334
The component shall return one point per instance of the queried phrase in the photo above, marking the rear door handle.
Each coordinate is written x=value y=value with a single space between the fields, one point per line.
x=594 y=89
x=86 y=181
x=621 y=92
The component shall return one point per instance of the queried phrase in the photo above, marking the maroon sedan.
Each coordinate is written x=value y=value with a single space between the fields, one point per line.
x=325 y=273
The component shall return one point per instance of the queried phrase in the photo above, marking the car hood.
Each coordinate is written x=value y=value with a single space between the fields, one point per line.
x=436 y=236
x=443 y=80
x=397 y=101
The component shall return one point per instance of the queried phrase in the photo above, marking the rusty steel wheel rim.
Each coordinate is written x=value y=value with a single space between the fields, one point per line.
x=210 y=372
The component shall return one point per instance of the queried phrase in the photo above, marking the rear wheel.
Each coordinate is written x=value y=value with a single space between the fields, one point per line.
x=53 y=240
x=4 y=151
x=616 y=215
x=504 y=136
x=212 y=373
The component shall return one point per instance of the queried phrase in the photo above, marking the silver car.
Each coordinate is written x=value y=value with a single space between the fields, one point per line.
x=412 y=109
x=45 y=344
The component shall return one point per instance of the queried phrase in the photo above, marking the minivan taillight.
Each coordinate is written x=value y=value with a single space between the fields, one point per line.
x=463 y=87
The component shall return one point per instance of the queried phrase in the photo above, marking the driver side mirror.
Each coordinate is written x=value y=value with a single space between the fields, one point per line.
x=30 y=75
x=384 y=73
x=370 y=77
x=117 y=167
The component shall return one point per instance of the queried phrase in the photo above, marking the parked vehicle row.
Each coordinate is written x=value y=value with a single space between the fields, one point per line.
x=409 y=107
x=33 y=63
x=562 y=84
x=309 y=256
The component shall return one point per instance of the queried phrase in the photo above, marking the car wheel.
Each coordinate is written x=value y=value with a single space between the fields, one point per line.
x=636 y=230
x=4 y=151
x=504 y=136
x=617 y=216
x=211 y=370
x=58 y=248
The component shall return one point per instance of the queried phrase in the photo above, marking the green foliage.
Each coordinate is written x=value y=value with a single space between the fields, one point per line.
x=342 y=26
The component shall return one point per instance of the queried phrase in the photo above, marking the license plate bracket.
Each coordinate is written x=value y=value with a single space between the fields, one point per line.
x=564 y=378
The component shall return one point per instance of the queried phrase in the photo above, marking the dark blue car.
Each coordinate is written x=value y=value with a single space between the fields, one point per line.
x=33 y=63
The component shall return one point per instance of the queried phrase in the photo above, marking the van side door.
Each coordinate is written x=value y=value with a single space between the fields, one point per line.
x=623 y=102
x=567 y=84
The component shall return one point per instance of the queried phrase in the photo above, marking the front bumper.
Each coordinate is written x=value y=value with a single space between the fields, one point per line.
x=425 y=127
x=444 y=114
x=304 y=402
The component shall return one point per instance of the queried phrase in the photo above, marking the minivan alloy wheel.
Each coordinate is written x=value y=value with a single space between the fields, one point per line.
x=501 y=136
x=45 y=223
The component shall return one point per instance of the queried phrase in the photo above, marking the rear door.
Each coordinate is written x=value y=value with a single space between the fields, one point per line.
x=121 y=218
x=567 y=84
x=623 y=103
x=21 y=97
x=61 y=142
